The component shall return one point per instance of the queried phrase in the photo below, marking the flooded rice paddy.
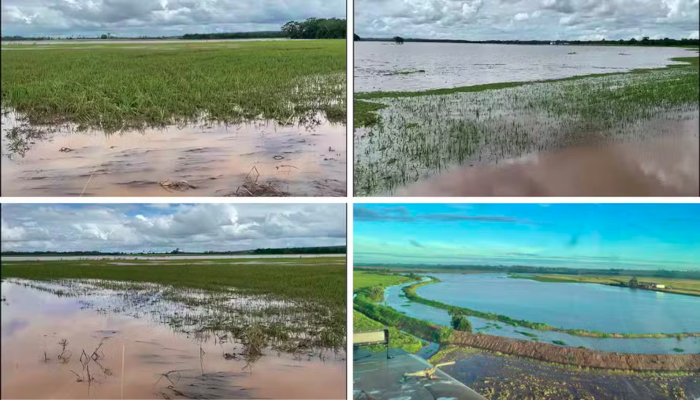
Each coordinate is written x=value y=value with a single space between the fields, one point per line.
x=111 y=339
x=513 y=378
x=306 y=158
x=628 y=134
x=582 y=306
x=383 y=66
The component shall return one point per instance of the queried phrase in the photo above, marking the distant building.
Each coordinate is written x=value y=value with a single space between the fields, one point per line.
x=651 y=285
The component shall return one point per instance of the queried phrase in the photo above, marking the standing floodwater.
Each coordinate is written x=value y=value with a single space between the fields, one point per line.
x=152 y=341
x=384 y=66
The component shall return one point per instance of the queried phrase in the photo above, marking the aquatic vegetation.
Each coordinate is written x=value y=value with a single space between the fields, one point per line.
x=522 y=378
x=415 y=135
x=318 y=279
x=118 y=87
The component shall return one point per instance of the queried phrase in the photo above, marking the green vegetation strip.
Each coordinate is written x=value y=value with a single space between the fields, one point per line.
x=391 y=318
x=318 y=282
x=690 y=287
x=114 y=87
x=410 y=293
x=397 y=339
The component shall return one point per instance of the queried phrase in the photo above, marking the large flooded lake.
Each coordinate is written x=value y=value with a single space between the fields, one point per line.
x=385 y=66
x=563 y=305
x=100 y=339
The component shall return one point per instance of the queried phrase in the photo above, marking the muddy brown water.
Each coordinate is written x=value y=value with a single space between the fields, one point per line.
x=135 y=356
x=666 y=165
x=216 y=160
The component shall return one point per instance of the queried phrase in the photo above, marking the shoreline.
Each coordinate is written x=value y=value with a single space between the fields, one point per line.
x=409 y=291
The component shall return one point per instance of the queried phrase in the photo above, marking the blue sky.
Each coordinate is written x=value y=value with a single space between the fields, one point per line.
x=636 y=236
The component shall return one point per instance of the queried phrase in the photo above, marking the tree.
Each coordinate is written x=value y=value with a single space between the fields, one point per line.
x=103 y=36
x=633 y=283
x=356 y=37
x=461 y=323
x=176 y=251
x=398 y=39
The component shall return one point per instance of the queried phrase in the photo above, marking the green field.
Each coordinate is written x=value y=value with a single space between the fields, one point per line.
x=317 y=279
x=397 y=339
x=409 y=136
x=362 y=280
x=121 y=86
x=680 y=286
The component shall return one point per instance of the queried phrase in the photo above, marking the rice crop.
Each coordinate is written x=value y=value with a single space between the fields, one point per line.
x=413 y=135
x=243 y=304
x=118 y=87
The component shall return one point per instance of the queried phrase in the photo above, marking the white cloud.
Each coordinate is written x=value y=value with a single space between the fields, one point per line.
x=536 y=19
x=157 y=17
x=190 y=227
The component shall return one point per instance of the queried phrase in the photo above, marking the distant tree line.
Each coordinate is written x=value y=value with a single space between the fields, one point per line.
x=537 y=270
x=234 y=35
x=286 y=250
x=316 y=28
x=646 y=41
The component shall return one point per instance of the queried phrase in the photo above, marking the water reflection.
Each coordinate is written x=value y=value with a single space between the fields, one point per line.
x=303 y=156
x=96 y=339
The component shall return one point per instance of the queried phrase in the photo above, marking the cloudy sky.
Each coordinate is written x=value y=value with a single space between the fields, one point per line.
x=164 y=227
x=157 y=17
x=636 y=236
x=527 y=19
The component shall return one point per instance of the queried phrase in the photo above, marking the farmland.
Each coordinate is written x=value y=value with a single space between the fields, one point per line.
x=184 y=324
x=412 y=136
x=219 y=118
x=124 y=86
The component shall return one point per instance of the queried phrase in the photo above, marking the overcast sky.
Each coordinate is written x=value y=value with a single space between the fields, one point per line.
x=527 y=19
x=164 y=227
x=635 y=236
x=157 y=17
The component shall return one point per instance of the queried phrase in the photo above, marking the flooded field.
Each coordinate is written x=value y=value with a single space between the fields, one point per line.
x=262 y=158
x=386 y=67
x=174 y=118
x=626 y=134
x=92 y=338
x=499 y=377
x=555 y=307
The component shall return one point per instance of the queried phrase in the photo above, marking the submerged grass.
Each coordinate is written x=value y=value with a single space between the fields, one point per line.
x=408 y=136
x=115 y=87
x=325 y=281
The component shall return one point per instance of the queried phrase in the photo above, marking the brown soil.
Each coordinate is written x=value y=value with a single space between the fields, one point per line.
x=579 y=357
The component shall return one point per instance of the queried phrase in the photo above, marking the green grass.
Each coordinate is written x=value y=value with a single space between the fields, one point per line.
x=417 y=135
x=361 y=280
x=397 y=339
x=678 y=286
x=320 y=282
x=116 y=87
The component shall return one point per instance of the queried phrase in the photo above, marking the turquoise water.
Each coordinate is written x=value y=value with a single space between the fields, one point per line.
x=566 y=305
